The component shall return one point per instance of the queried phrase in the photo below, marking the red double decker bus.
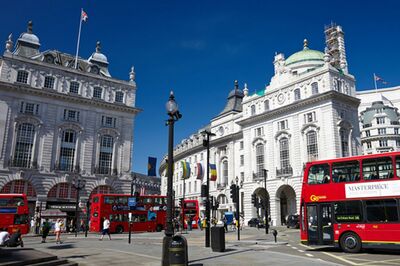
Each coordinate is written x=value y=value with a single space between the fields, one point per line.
x=149 y=213
x=191 y=209
x=14 y=213
x=352 y=202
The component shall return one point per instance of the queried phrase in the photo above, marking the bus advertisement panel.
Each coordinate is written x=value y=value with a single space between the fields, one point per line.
x=148 y=212
x=352 y=202
x=14 y=213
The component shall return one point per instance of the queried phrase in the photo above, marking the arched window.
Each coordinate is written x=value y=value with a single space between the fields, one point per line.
x=222 y=199
x=22 y=76
x=284 y=153
x=344 y=142
x=253 y=110
x=24 y=145
x=67 y=151
x=314 y=88
x=106 y=154
x=19 y=187
x=297 y=95
x=103 y=189
x=225 y=173
x=62 y=191
x=260 y=160
x=312 y=146
x=266 y=105
x=49 y=82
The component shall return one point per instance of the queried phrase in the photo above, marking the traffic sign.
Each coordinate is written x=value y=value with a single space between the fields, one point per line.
x=132 y=202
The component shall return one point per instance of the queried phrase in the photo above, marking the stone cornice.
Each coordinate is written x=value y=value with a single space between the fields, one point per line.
x=26 y=89
x=330 y=95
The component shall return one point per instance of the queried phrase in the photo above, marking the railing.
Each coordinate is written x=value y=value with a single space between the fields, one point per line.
x=284 y=171
x=102 y=170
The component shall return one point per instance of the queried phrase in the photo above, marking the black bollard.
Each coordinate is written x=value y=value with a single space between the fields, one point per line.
x=275 y=233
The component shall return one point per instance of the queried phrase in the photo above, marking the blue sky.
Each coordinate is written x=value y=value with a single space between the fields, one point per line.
x=198 y=48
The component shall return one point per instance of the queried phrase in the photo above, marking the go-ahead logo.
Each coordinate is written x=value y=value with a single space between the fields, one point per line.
x=316 y=198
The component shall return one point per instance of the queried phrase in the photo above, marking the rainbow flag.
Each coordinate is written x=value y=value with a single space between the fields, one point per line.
x=213 y=172
x=199 y=171
x=185 y=170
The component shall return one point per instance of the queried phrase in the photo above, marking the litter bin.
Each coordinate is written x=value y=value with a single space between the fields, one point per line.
x=178 y=251
x=218 y=238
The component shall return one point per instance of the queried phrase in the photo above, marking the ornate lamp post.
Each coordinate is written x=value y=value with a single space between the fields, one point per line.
x=238 y=187
x=78 y=184
x=174 y=115
x=206 y=143
x=266 y=202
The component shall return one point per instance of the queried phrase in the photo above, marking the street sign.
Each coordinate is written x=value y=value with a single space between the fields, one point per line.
x=132 y=203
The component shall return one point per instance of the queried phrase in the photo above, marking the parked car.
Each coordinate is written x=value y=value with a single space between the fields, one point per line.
x=255 y=222
x=293 y=221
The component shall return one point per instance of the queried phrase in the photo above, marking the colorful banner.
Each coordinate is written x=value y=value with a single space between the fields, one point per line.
x=199 y=173
x=185 y=170
x=213 y=172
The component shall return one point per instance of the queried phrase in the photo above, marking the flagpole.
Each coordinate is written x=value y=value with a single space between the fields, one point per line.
x=79 y=38
x=376 y=87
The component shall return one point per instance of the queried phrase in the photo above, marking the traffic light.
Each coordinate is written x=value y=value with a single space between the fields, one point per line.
x=181 y=202
x=211 y=202
x=233 y=188
x=205 y=143
x=254 y=199
x=203 y=190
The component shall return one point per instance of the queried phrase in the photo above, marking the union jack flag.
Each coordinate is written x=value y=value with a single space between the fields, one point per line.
x=84 y=16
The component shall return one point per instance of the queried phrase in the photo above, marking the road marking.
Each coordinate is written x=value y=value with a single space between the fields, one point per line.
x=388 y=262
x=302 y=251
x=131 y=253
x=294 y=248
x=310 y=255
x=340 y=258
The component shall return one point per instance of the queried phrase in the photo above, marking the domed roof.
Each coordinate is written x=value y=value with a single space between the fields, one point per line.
x=304 y=55
x=97 y=56
x=29 y=37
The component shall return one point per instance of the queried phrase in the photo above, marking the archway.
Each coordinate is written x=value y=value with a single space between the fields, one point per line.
x=262 y=204
x=286 y=203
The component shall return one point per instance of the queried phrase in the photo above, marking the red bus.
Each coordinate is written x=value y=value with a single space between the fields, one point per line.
x=191 y=208
x=352 y=202
x=148 y=215
x=14 y=213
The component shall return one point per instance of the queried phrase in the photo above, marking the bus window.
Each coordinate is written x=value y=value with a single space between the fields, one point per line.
x=382 y=210
x=122 y=200
x=348 y=211
x=109 y=200
x=379 y=168
x=398 y=166
x=346 y=171
x=318 y=174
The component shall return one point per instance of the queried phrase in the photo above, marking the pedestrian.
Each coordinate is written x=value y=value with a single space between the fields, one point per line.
x=57 y=231
x=204 y=222
x=199 y=224
x=225 y=222
x=106 y=229
x=15 y=240
x=45 y=230
x=190 y=222
x=82 y=226
x=33 y=225
x=4 y=237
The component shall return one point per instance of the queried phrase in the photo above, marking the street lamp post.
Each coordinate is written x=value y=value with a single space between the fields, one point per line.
x=238 y=187
x=174 y=115
x=78 y=184
x=133 y=182
x=266 y=203
x=206 y=143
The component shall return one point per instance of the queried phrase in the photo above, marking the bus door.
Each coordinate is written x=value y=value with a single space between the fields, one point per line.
x=319 y=221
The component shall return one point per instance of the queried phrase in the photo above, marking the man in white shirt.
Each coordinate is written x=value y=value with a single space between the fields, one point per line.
x=4 y=237
x=106 y=228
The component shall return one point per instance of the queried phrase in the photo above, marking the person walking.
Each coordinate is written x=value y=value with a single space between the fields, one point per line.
x=106 y=229
x=45 y=230
x=57 y=231
x=190 y=222
x=33 y=225
x=225 y=222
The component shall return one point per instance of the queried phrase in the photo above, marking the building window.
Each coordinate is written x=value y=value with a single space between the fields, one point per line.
x=119 y=97
x=97 y=92
x=297 y=94
x=71 y=115
x=253 y=110
x=67 y=152
x=266 y=105
x=380 y=120
x=24 y=145
x=241 y=160
x=49 y=82
x=381 y=131
x=74 y=87
x=283 y=125
x=29 y=108
x=312 y=146
x=396 y=131
x=284 y=153
x=338 y=85
x=369 y=146
x=397 y=143
x=314 y=88
x=260 y=160
x=367 y=133
x=344 y=142
x=383 y=143
x=241 y=145
x=22 y=76
x=106 y=153
x=224 y=172
x=259 y=131
x=201 y=156
x=309 y=117
x=107 y=121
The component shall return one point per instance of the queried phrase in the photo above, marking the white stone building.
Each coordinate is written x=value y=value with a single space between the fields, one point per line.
x=307 y=112
x=58 y=123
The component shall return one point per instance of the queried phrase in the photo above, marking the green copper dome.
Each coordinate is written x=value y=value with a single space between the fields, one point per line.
x=305 y=55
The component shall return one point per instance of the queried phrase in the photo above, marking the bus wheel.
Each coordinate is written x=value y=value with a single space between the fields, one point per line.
x=119 y=229
x=350 y=242
x=159 y=228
